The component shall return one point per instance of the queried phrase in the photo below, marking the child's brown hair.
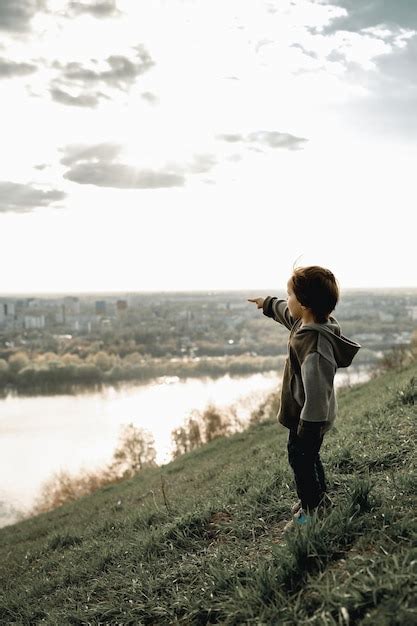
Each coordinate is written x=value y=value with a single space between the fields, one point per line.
x=316 y=288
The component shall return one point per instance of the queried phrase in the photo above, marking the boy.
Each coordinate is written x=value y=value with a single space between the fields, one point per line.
x=316 y=348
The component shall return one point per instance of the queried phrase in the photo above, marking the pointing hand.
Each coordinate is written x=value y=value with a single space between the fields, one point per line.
x=259 y=302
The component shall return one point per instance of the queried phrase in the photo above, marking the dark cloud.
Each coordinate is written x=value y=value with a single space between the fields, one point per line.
x=120 y=73
x=400 y=65
x=96 y=165
x=18 y=198
x=9 y=69
x=364 y=13
x=390 y=83
x=15 y=15
x=99 y=8
x=83 y=100
x=271 y=139
x=390 y=107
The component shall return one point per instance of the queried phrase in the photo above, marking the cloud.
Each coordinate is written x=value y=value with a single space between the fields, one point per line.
x=16 y=15
x=102 y=165
x=150 y=97
x=18 y=198
x=360 y=14
x=388 y=32
x=401 y=64
x=83 y=100
x=271 y=139
x=96 y=165
x=119 y=72
x=368 y=48
x=76 y=153
x=122 y=176
x=231 y=137
x=99 y=8
x=390 y=108
x=8 y=69
x=274 y=139
x=202 y=163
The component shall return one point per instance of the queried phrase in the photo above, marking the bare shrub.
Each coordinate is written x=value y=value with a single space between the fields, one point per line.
x=181 y=441
x=4 y=370
x=134 y=358
x=215 y=424
x=62 y=487
x=135 y=452
x=194 y=433
x=46 y=357
x=18 y=361
x=71 y=359
x=394 y=359
x=413 y=343
x=200 y=428
x=267 y=409
x=102 y=360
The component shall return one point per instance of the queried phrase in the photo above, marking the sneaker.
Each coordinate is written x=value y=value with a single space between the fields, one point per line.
x=296 y=507
x=325 y=503
x=299 y=519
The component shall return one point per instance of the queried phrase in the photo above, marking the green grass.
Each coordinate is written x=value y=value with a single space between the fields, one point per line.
x=211 y=549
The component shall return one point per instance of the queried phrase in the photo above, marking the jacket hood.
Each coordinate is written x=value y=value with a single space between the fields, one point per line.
x=344 y=349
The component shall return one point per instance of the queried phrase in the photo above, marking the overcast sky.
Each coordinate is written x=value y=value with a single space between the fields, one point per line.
x=206 y=144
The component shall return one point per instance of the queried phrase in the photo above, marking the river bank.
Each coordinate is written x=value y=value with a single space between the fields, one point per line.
x=54 y=377
x=79 y=431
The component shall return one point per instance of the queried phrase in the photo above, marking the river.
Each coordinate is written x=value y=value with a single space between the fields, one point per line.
x=40 y=435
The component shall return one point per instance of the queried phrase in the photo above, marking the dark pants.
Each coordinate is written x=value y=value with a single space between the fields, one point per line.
x=304 y=458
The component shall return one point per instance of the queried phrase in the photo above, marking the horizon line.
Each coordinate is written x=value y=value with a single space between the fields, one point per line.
x=180 y=291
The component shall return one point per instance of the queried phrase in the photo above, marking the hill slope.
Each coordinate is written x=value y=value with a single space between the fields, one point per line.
x=200 y=540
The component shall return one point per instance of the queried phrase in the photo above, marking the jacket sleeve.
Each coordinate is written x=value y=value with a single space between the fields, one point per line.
x=317 y=374
x=278 y=310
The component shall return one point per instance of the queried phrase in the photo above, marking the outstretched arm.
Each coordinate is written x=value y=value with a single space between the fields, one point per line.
x=278 y=310
x=275 y=308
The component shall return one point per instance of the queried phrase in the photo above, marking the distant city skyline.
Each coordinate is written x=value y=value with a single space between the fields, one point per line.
x=109 y=294
x=203 y=146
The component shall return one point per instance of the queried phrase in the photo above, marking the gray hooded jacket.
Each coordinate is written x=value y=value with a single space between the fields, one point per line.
x=315 y=351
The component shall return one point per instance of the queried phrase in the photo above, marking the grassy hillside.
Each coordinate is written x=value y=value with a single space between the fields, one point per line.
x=200 y=540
